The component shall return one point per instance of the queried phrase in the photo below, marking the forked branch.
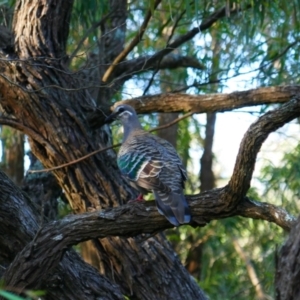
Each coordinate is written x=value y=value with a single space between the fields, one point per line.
x=132 y=44
x=45 y=252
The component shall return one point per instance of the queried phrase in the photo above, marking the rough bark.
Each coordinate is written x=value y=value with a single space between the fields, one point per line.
x=288 y=267
x=132 y=220
x=49 y=244
x=172 y=102
x=43 y=190
x=113 y=33
x=12 y=162
x=72 y=278
x=46 y=100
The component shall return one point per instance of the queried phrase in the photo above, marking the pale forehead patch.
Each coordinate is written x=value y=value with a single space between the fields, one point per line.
x=125 y=112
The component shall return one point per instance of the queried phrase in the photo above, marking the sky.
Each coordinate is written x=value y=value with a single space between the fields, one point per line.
x=229 y=131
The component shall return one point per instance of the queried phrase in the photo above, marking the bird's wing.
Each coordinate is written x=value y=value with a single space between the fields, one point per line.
x=171 y=156
x=146 y=155
x=139 y=167
x=154 y=164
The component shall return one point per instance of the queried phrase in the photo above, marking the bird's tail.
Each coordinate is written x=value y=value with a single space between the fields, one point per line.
x=174 y=207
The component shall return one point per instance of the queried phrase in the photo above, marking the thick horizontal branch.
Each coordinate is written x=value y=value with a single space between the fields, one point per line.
x=203 y=103
x=212 y=102
x=264 y=211
x=47 y=249
x=170 y=61
x=129 y=220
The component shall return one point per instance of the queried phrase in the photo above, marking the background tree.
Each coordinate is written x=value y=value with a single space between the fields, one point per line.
x=62 y=65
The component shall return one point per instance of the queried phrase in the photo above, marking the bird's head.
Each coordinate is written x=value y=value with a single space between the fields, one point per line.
x=124 y=113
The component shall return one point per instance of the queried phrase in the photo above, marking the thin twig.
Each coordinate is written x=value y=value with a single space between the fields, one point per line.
x=107 y=148
x=133 y=43
x=87 y=33
x=167 y=45
x=171 y=123
x=251 y=270
x=74 y=161
x=207 y=23
x=175 y=26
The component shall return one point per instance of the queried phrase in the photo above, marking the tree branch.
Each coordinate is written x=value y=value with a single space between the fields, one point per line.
x=132 y=44
x=147 y=62
x=174 y=61
x=45 y=252
x=202 y=103
x=249 y=208
x=287 y=267
x=73 y=278
x=170 y=61
x=106 y=148
x=85 y=36
x=253 y=140
x=212 y=102
x=130 y=220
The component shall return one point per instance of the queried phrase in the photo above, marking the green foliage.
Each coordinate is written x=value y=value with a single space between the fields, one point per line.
x=10 y=296
x=258 y=240
x=223 y=272
x=30 y=295
x=282 y=182
x=258 y=46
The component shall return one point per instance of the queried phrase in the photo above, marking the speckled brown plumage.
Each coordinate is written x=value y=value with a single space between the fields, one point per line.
x=152 y=164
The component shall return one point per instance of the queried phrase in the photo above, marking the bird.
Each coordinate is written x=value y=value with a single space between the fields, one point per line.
x=151 y=164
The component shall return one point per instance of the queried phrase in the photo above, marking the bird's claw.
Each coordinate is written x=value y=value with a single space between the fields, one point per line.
x=140 y=198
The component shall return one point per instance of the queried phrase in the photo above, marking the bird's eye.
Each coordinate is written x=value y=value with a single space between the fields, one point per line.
x=120 y=110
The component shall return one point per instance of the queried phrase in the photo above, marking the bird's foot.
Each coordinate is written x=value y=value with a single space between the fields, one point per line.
x=140 y=198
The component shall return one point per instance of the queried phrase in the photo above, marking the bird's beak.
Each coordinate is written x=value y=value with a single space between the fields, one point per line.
x=110 y=118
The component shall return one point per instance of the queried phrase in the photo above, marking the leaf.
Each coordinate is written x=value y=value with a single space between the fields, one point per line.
x=10 y=296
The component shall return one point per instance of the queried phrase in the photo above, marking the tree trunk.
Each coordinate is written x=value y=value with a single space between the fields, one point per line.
x=207 y=178
x=71 y=279
x=12 y=162
x=51 y=107
x=288 y=267
x=170 y=133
